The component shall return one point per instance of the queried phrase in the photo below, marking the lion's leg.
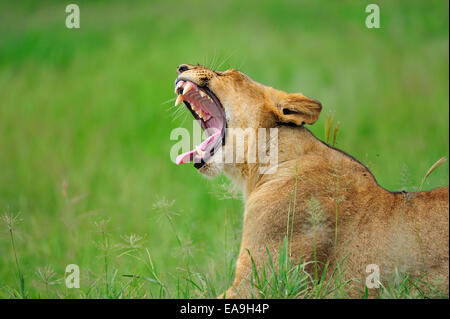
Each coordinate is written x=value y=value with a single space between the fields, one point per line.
x=242 y=287
x=302 y=246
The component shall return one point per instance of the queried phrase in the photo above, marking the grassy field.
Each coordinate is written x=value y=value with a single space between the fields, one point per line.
x=85 y=120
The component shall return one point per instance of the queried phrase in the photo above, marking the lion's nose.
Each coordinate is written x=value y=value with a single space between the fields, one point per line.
x=183 y=68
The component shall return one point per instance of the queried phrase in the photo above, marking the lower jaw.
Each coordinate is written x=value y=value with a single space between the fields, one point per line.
x=199 y=163
x=218 y=145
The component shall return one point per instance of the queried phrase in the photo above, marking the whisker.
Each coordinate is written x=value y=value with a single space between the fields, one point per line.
x=178 y=114
x=229 y=56
x=240 y=65
x=214 y=60
x=206 y=60
x=169 y=100
x=177 y=108
x=184 y=119
x=174 y=107
x=211 y=62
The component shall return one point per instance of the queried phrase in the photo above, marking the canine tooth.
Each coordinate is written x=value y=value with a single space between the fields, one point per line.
x=202 y=94
x=187 y=87
x=194 y=107
x=199 y=151
x=179 y=99
x=179 y=84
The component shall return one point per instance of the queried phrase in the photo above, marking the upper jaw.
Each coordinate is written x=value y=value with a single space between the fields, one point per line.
x=186 y=77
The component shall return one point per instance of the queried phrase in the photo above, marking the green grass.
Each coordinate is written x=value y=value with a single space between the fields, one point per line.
x=84 y=128
x=280 y=277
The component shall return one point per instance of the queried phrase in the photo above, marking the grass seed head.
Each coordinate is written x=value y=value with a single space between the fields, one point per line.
x=335 y=132
x=329 y=120
x=433 y=168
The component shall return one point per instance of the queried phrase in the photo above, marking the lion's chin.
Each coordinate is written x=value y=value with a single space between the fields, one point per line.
x=211 y=169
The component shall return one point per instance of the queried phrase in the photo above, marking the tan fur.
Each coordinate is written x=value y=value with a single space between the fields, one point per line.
x=409 y=231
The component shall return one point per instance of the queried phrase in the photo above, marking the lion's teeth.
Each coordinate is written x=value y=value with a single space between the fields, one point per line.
x=202 y=94
x=199 y=151
x=179 y=84
x=179 y=99
x=194 y=107
x=187 y=88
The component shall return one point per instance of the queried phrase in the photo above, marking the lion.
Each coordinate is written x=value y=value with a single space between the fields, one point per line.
x=332 y=204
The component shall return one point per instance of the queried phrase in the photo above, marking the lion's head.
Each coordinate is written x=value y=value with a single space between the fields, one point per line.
x=221 y=100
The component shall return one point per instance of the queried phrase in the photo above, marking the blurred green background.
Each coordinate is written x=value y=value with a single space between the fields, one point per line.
x=86 y=115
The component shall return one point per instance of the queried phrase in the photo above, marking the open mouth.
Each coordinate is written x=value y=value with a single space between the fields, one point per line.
x=206 y=108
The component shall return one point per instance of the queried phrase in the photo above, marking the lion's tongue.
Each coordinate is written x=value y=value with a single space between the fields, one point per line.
x=185 y=157
x=189 y=156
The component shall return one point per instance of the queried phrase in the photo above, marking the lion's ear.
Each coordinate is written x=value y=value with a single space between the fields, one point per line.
x=298 y=109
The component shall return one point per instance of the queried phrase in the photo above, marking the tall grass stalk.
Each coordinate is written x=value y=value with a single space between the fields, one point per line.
x=335 y=132
x=165 y=207
x=290 y=221
x=329 y=120
x=105 y=247
x=280 y=277
x=438 y=163
x=316 y=219
x=402 y=286
x=47 y=276
x=11 y=221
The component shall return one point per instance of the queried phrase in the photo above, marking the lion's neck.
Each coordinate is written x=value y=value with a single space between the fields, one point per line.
x=293 y=143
